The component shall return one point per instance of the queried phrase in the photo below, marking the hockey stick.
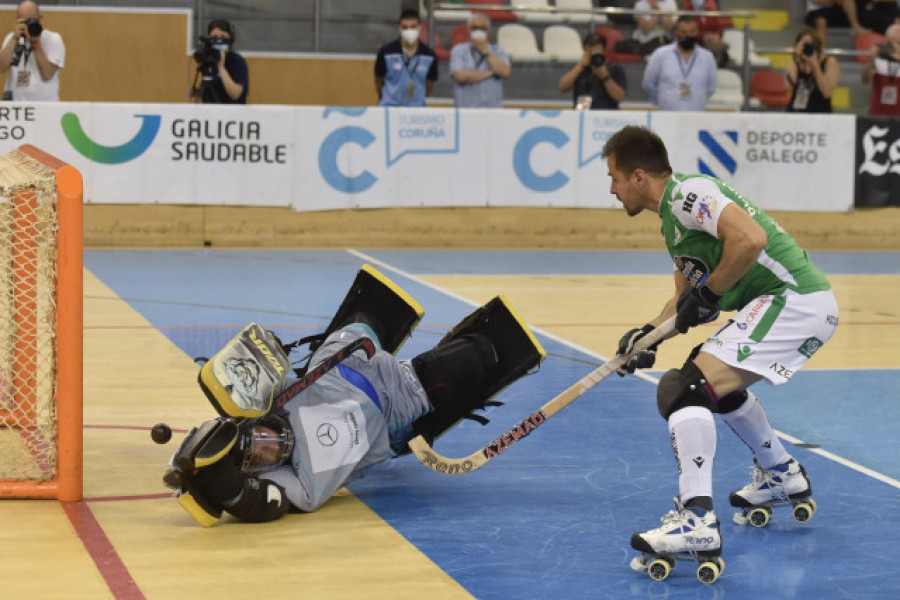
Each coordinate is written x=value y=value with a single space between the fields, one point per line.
x=459 y=466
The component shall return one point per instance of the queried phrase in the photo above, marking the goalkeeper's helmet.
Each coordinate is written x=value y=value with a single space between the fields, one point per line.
x=264 y=443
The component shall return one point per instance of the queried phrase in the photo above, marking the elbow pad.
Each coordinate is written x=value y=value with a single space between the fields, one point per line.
x=260 y=501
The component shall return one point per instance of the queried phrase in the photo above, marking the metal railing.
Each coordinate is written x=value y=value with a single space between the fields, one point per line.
x=432 y=6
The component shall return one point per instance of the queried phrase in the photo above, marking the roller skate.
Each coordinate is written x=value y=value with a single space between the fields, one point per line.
x=782 y=485
x=684 y=535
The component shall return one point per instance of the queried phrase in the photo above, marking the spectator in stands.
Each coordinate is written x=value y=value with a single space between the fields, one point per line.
x=405 y=69
x=222 y=74
x=653 y=30
x=595 y=84
x=822 y=14
x=711 y=29
x=33 y=57
x=883 y=70
x=811 y=76
x=878 y=15
x=681 y=75
x=478 y=67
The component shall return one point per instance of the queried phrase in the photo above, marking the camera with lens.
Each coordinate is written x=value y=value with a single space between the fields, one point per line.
x=809 y=48
x=209 y=53
x=597 y=59
x=34 y=27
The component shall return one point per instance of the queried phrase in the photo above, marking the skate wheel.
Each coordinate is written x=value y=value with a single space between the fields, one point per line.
x=804 y=511
x=708 y=572
x=759 y=517
x=740 y=518
x=659 y=569
x=638 y=563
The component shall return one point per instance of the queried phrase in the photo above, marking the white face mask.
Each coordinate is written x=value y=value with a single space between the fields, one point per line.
x=478 y=35
x=410 y=35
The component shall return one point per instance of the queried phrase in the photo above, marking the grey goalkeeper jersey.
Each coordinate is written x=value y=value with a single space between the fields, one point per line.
x=690 y=209
x=344 y=422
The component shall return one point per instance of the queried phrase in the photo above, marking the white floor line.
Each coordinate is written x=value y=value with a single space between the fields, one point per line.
x=601 y=359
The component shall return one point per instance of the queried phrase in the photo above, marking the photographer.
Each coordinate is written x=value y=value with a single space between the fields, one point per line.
x=883 y=70
x=32 y=56
x=812 y=76
x=222 y=76
x=595 y=83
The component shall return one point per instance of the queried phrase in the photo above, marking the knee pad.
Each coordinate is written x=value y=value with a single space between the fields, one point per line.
x=455 y=374
x=731 y=402
x=683 y=387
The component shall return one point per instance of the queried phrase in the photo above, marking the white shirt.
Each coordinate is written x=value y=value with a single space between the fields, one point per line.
x=658 y=30
x=25 y=80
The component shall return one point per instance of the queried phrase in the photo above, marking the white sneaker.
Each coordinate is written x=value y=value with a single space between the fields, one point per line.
x=683 y=531
x=781 y=483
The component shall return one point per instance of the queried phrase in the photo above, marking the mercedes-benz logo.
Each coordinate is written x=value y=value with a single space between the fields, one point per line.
x=327 y=434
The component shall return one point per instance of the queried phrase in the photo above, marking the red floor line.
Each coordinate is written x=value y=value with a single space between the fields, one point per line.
x=109 y=563
x=134 y=497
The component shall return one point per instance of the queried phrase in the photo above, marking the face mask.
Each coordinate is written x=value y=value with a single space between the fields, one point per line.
x=478 y=35
x=220 y=44
x=687 y=43
x=410 y=35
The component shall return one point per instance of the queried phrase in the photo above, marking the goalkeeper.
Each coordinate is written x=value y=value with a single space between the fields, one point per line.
x=287 y=443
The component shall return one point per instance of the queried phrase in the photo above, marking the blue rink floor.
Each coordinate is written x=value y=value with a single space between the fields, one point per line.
x=552 y=517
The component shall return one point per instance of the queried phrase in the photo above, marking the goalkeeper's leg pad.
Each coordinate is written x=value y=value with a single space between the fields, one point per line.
x=479 y=357
x=377 y=301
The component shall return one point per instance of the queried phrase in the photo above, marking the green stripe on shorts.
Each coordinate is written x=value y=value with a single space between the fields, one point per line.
x=768 y=319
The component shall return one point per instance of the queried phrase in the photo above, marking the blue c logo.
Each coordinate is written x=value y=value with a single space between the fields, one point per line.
x=522 y=159
x=111 y=155
x=328 y=166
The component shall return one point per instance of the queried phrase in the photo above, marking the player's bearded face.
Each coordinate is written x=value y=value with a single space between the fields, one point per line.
x=622 y=186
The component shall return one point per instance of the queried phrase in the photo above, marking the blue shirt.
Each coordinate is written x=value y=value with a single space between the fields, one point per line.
x=484 y=94
x=404 y=77
x=675 y=84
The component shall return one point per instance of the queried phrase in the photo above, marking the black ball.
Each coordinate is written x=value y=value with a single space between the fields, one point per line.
x=161 y=433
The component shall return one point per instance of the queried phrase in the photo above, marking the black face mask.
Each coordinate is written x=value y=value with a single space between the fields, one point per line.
x=687 y=43
x=597 y=59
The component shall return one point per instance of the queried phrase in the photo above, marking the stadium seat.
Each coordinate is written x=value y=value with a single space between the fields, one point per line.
x=730 y=89
x=614 y=36
x=459 y=34
x=519 y=42
x=439 y=50
x=561 y=42
x=583 y=17
x=864 y=43
x=545 y=16
x=735 y=40
x=768 y=86
x=497 y=16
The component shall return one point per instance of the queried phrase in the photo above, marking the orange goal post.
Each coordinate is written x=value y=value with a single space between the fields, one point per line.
x=41 y=286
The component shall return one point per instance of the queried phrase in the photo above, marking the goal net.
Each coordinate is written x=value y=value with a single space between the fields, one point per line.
x=40 y=326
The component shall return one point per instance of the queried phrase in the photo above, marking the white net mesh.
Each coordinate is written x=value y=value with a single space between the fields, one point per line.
x=28 y=247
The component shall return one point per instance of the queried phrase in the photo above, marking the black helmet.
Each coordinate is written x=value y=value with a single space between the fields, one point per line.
x=264 y=443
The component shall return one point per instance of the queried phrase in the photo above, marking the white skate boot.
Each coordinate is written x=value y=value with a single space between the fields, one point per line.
x=684 y=535
x=782 y=485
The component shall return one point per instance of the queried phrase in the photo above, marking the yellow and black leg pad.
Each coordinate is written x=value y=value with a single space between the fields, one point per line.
x=516 y=350
x=380 y=303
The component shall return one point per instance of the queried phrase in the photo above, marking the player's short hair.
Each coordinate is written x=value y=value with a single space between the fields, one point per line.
x=409 y=14
x=638 y=148
x=478 y=15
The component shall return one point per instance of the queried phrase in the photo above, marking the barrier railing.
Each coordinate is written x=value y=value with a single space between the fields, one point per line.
x=431 y=6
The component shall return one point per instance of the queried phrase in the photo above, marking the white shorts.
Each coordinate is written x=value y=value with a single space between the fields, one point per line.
x=774 y=336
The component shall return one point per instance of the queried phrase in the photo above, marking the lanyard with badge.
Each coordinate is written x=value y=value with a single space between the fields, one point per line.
x=411 y=86
x=684 y=88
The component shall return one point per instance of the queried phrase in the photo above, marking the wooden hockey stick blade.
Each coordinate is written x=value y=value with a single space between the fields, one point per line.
x=460 y=466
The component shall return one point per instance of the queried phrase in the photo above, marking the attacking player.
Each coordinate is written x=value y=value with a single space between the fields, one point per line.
x=287 y=440
x=728 y=255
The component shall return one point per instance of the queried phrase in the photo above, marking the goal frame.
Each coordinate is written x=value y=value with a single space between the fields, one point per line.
x=68 y=484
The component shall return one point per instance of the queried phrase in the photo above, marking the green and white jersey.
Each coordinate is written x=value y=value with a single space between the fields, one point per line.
x=690 y=209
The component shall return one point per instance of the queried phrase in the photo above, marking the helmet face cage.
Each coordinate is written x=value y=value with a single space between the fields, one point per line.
x=264 y=444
